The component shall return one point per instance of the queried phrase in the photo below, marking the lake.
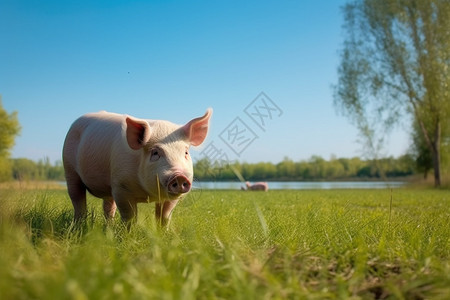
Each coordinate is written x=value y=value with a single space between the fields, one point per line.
x=300 y=185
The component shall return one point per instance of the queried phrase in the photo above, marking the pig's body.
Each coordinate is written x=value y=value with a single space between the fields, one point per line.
x=257 y=186
x=125 y=160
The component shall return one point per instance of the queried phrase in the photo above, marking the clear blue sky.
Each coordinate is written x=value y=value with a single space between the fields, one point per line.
x=172 y=60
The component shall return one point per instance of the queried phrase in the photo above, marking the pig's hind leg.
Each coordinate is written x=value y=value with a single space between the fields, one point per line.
x=109 y=208
x=77 y=193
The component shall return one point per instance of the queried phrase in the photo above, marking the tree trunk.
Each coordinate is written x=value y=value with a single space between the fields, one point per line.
x=436 y=153
x=437 y=168
x=434 y=146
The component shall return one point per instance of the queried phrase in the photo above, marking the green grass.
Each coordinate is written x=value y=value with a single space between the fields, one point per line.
x=333 y=244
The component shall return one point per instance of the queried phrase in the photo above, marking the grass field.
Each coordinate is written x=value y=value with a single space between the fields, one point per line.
x=333 y=244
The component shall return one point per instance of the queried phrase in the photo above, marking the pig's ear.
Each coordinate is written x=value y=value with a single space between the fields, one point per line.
x=197 y=129
x=138 y=133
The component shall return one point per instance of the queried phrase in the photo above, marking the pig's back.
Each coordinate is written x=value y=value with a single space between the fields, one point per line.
x=88 y=147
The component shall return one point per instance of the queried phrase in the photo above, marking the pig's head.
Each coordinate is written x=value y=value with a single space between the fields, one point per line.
x=165 y=166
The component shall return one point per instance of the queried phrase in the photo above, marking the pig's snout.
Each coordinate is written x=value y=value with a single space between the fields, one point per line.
x=179 y=184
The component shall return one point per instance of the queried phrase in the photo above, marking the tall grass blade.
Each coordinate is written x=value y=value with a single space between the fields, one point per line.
x=262 y=221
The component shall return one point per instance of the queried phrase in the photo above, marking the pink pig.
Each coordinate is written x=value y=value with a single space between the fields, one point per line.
x=125 y=160
x=257 y=186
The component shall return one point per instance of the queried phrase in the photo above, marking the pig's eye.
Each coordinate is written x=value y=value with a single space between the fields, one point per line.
x=186 y=154
x=155 y=154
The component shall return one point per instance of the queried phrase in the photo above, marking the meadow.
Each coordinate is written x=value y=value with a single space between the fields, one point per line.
x=317 y=244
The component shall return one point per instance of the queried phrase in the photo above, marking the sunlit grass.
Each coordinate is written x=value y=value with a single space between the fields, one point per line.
x=231 y=245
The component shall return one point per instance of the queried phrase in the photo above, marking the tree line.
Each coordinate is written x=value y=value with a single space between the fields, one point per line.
x=315 y=168
x=26 y=169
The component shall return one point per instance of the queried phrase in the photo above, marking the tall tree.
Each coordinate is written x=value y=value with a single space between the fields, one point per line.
x=9 y=128
x=396 y=62
x=421 y=152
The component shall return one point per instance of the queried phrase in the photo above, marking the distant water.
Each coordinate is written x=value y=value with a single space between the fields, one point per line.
x=297 y=185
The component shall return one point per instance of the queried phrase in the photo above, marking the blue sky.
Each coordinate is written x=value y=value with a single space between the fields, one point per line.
x=172 y=60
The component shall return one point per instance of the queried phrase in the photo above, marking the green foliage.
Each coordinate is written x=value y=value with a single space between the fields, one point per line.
x=316 y=168
x=9 y=128
x=5 y=169
x=395 y=62
x=26 y=169
x=231 y=245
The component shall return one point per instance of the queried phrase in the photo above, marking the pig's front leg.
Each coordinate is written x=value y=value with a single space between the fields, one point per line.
x=163 y=211
x=127 y=206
